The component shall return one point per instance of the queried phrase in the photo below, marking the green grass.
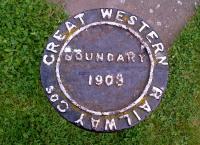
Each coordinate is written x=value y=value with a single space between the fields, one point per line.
x=26 y=116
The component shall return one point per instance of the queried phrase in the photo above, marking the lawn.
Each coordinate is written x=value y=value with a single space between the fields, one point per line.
x=26 y=116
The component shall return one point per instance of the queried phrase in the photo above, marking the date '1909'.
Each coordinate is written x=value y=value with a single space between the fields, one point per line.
x=108 y=80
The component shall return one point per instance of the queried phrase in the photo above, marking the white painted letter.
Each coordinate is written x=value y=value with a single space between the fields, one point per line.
x=51 y=46
x=48 y=62
x=68 y=57
x=66 y=106
x=88 y=57
x=70 y=26
x=110 y=57
x=120 y=15
x=99 y=57
x=162 y=60
x=157 y=93
x=152 y=35
x=110 y=125
x=54 y=98
x=59 y=36
x=79 y=56
x=106 y=13
x=80 y=17
x=80 y=120
x=131 y=56
x=159 y=47
x=50 y=89
x=146 y=106
x=120 y=58
x=142 y=57
x=132 y=20
x=128 y=119
x=144 y=25
x=95 y=123
x=137 y=116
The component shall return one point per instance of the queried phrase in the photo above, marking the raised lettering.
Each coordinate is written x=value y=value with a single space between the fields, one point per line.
x=145 y=106
x=64 y=103
x=54 y=98
x=59 y=36
x=144 y=25
x=52 y=59
x=120 y=80
x=95 y=123
x=120 y=58
x=131 y=56
x=110 y=57
x=80 y=17
x=106 y=13
x=142 y=57
x=109 y=80
x=152 y=35
x=99 y=80
x=51 y=47
x=159 y=47
x=137 y=116
x=70 y=26
x=78 y=56
x=127 y=117
x=89 y=56
x=157 y=93
x=132 y=20
x=68 y=56
x=80 y=120
x=110 y=125
x=120 y=15
x=99 y=57
x=162 y=60
x=50 y=89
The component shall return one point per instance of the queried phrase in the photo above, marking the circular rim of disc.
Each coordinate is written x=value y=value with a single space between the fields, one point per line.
x=83 y=117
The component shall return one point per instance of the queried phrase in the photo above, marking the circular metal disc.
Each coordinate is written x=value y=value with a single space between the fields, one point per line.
x=104 y=70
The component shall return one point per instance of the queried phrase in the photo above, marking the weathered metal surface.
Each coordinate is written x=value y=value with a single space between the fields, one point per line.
x=104 y=70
